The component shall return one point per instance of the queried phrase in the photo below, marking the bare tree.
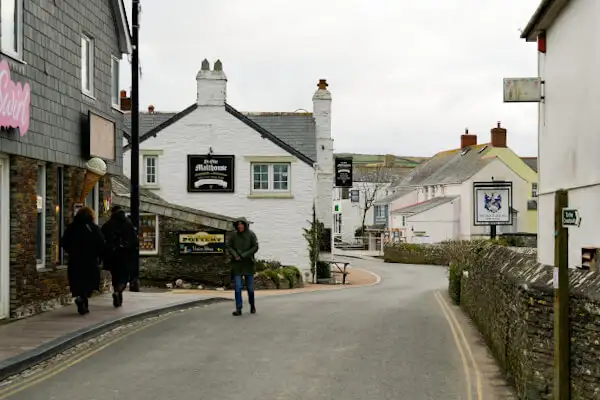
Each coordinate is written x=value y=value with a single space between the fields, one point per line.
x=371 y=181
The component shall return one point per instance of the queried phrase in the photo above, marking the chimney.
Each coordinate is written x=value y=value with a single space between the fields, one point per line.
x=150 y=109
x=467 y=140
x=125 y=101
x=322 y=117
x=212 y=85
x=498 y=136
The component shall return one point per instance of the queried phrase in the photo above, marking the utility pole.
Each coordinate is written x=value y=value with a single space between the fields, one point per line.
x=135 y=129
x=562 y=385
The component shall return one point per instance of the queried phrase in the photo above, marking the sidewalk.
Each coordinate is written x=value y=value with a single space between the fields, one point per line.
x=28 y=341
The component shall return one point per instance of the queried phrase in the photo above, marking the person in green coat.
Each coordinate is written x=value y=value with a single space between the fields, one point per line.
x=243 y=245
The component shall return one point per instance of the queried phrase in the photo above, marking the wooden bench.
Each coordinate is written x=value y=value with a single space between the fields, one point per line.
x=341 y=269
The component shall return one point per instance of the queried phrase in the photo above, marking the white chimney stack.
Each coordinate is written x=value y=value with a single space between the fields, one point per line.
x=212 y=85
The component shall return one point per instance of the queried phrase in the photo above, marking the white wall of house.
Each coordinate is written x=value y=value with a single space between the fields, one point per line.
x=439 y=224
x=277 y=221
x=498 y=170
x=568 y=139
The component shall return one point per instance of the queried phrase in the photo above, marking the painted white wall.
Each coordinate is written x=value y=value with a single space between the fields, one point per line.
x=440 y=223
x=278 y=223
x=322 y=115
x=568 y=139
x=499 y=171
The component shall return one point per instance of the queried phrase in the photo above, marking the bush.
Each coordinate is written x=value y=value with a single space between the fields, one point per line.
x=263 y=265
x=273 y=275
x=292 y=275
x=323 y=270
x=454 y=281
x=410 y=253
x=359 y=232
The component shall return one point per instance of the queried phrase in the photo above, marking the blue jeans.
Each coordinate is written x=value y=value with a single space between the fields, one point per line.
x=239 y=285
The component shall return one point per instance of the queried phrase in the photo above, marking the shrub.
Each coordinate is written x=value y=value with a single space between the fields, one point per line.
x=263 y=265
x=273 y=275
x=292 y=275
x=323 y=270
x=359 y=232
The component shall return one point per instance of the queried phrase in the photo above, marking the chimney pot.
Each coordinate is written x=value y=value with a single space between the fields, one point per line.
x=123 y=94
x=151 y=109
x=498 y=136
x=322 y=85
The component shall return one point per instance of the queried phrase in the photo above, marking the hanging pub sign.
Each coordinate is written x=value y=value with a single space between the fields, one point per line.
x=211 y=173
x=201 y=242
x=343 y=172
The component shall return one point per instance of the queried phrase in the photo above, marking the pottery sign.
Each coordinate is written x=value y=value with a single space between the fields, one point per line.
x=15 y=101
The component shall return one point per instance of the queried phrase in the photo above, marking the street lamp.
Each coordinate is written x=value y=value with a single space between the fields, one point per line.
x=135 y=135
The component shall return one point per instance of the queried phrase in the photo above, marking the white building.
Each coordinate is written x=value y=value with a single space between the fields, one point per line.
x=261 y=166
x=568 y=37
x=435 y=201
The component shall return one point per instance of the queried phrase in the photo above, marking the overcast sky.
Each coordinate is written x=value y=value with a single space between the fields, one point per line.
x=406 y=76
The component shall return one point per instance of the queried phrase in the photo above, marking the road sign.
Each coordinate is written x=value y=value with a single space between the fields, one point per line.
x=570 y=217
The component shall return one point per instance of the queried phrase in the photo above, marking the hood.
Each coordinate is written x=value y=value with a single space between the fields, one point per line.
x=83 y=219
x=243 y=221
x=119 y=216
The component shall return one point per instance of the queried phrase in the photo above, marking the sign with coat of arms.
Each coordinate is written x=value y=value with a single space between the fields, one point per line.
x=492 y=203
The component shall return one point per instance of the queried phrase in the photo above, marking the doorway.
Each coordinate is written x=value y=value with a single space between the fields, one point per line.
x=4 y=237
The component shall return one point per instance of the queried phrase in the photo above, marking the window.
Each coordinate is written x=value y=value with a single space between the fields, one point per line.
x=433 y=191
x=59 y=254
x=11 y=21
x=345 y=193
x=114 y=85
x=403 y=220
x=150 y=170
x=271 y=177
x=337 y=224
x=534 y=190
x=92 y=200
x=148 y=234
x=40 y=234
x=87 y=65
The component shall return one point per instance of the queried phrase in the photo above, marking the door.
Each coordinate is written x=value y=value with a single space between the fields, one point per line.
x=4 y=238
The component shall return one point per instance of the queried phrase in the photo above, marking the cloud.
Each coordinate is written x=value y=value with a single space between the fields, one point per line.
x=407 y=76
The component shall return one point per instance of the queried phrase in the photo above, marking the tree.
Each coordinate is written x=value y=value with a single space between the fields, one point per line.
x=371 y=181
x=314 y=236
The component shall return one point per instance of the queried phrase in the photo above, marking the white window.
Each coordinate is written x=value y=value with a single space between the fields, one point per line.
x=87 y=65
x=150 y=170
x=11 y=21
x=40 y=235
x=114 y=83
x=534 y=190
x=271 y=177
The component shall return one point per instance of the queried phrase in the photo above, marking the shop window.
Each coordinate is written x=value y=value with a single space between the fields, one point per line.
x=91 y=200
x=40 y=235
x=148 y=234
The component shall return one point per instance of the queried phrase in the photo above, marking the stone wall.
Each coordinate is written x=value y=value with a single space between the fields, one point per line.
x=169 y=265
x=36 y=290
x=509 y=297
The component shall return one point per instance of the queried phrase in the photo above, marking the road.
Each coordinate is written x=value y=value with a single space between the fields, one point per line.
x=389 y=341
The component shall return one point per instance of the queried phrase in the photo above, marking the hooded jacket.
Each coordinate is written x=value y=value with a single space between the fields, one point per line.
x=242 y=245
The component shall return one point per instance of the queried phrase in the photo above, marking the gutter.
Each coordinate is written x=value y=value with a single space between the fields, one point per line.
x=543 y=17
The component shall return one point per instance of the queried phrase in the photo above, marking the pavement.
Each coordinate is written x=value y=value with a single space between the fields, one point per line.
x=399 y=339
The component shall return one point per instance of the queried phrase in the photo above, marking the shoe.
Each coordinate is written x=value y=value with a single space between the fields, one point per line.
x=120 y=299
x=134 y=286
x=86 y=305
x=252 y=310
x=81 y=309
x=115 y=297
x=237 y=313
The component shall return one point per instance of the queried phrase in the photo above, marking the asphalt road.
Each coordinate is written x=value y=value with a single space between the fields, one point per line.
x=390 y=341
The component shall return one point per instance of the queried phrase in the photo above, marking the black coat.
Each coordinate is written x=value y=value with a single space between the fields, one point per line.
x=84 y=243
x=121 y=246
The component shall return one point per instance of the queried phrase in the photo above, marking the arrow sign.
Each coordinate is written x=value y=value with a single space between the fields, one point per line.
x=570 y=217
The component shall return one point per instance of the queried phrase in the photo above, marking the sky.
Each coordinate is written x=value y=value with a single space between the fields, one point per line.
x=406 y=77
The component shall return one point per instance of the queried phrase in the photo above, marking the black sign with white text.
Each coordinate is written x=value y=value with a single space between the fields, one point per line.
x=211 y=173
x=343 y=172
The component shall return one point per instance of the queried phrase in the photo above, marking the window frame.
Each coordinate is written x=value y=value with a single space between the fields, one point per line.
x=18 y=53
x=145 y=158
x=271 y=177
x=156 y=237
x=115 y=90
x=89 y=65
x=41 y=262
x=60 y=211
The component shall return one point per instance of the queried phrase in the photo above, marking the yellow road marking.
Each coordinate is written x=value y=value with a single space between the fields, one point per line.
x=463 y=358
x=467 y=347
x=11 y=390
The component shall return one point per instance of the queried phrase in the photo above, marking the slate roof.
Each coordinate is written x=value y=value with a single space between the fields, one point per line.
x=150 y=202
x=401 y=192
x=424 y=206
x=449 y=167
x=294 y=132
x=532 y=162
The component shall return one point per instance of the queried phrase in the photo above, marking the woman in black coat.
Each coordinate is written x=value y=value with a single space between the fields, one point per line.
x=84 y=243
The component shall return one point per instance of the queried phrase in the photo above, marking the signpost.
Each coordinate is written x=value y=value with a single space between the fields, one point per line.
x=563 y=218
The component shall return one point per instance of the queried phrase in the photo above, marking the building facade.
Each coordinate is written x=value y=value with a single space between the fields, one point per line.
x=267 y=167
x=568 y=64
x=59 y=84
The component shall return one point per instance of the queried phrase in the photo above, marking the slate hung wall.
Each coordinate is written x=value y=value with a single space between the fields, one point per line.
x=51 y=64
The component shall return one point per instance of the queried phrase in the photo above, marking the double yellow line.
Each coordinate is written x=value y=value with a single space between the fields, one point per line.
x=20 y=385
x=463 y=346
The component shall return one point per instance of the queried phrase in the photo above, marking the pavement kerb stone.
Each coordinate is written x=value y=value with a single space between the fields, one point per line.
x=20 y=363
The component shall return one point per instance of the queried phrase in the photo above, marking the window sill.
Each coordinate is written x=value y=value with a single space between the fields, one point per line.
x=88 y=95
x=148 y=253
x=13 y=57
x=117 y=109
x=270 y=195
x=150 y=186
x=43 y=269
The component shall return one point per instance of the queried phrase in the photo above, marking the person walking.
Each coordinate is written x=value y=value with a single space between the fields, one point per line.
x=243 y=245
x=84 y=243
x=119 y=253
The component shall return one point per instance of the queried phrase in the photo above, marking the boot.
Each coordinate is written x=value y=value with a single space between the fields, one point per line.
x=115 y=297
x=80 y=305
x=252 y=309
x=237 y=313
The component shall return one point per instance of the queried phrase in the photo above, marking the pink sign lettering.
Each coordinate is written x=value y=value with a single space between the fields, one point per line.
x=15 y=101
